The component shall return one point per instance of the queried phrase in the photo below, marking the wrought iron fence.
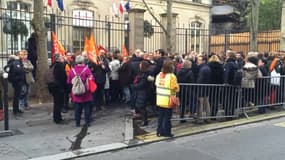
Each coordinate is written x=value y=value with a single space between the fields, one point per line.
x=16 y=28
x=112 y=33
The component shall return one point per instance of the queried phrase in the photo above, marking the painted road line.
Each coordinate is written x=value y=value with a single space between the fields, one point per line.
x=281 y=124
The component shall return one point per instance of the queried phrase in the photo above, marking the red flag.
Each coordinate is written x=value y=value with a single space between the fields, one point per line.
x=125 y=51
x=56 y=46
x=121 y=7
x=49 y=3
x=102 y=48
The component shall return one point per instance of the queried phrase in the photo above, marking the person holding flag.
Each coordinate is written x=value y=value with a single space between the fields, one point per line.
x=99 y=71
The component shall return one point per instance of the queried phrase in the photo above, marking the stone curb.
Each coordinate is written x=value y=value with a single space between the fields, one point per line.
x=83 y=152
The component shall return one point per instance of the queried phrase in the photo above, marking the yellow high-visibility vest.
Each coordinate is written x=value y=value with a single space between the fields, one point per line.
x=163 y=91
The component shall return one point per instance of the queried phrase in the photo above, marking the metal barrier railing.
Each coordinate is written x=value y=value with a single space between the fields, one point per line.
x=208 y=101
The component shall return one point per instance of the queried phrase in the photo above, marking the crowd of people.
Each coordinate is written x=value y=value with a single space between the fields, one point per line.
x=143 y=80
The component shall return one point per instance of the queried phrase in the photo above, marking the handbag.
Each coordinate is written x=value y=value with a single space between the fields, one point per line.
x=92 y=85
x=174 y=101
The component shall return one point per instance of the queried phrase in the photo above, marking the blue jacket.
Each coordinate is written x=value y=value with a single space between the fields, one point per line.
x=229 y=71
x=204 y=74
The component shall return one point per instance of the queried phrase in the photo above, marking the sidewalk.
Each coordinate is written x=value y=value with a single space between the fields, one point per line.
x=40 y=139
x=38 y=136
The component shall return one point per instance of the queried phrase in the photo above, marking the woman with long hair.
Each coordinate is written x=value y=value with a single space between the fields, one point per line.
x=166 y=86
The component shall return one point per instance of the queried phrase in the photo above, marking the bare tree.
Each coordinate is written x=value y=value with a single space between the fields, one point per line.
x=282 y=41
x=254 y=24
x=167 y=31
x=41 y=32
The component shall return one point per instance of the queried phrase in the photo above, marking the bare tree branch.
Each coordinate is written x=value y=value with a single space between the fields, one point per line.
x=155 y=18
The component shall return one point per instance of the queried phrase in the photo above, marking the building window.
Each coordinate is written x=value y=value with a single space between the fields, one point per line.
x=82 y=27
x=196 y=36
x=18 y=11
x=195 y=28
x=79 y=34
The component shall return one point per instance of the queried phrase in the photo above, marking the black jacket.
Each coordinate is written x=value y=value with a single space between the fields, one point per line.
x=125 y=74
x=229 y=71
x=159 y=64
x=195 y=70
x=16 y=72
x=217 y=72
x=204 y=74
x=140 y=90
x=185 y=75
x=32 y=50
x=99 y=72
x=60 y=75
x=134 y=66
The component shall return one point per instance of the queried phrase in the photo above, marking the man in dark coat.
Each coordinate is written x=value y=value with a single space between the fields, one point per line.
x=185 y=75
x=58 y=88
x=125 y=79
x=17 y=77
x=135 y=61
x=203 y=78
x=99 y=71
x=32 y=52
x=159 y=61
x=230 y=69
x=217 y=72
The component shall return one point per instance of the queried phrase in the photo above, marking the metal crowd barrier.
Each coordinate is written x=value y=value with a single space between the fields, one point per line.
x=212 y=101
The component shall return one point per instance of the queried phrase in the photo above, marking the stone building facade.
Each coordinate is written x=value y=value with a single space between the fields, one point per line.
x=71 y=30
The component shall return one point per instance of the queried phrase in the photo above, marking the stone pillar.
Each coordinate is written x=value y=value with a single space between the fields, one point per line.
x=163 y=43
x=282 y=40
x=136 y=27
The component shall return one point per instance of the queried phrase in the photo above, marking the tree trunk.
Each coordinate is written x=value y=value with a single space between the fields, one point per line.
x=41 y=32
x=254 y=24
x=168 y=30
x=169 y=39
x=282 y=41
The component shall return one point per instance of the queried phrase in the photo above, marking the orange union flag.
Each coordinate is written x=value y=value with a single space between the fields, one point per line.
x=93 y=46
x=56 y=46
x=124 y=51
x=86 y=44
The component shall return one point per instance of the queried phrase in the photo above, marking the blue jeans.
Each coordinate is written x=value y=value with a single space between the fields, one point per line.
x=164 y=122
x=78 y=107
x=23 y=101
x=127 y=93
